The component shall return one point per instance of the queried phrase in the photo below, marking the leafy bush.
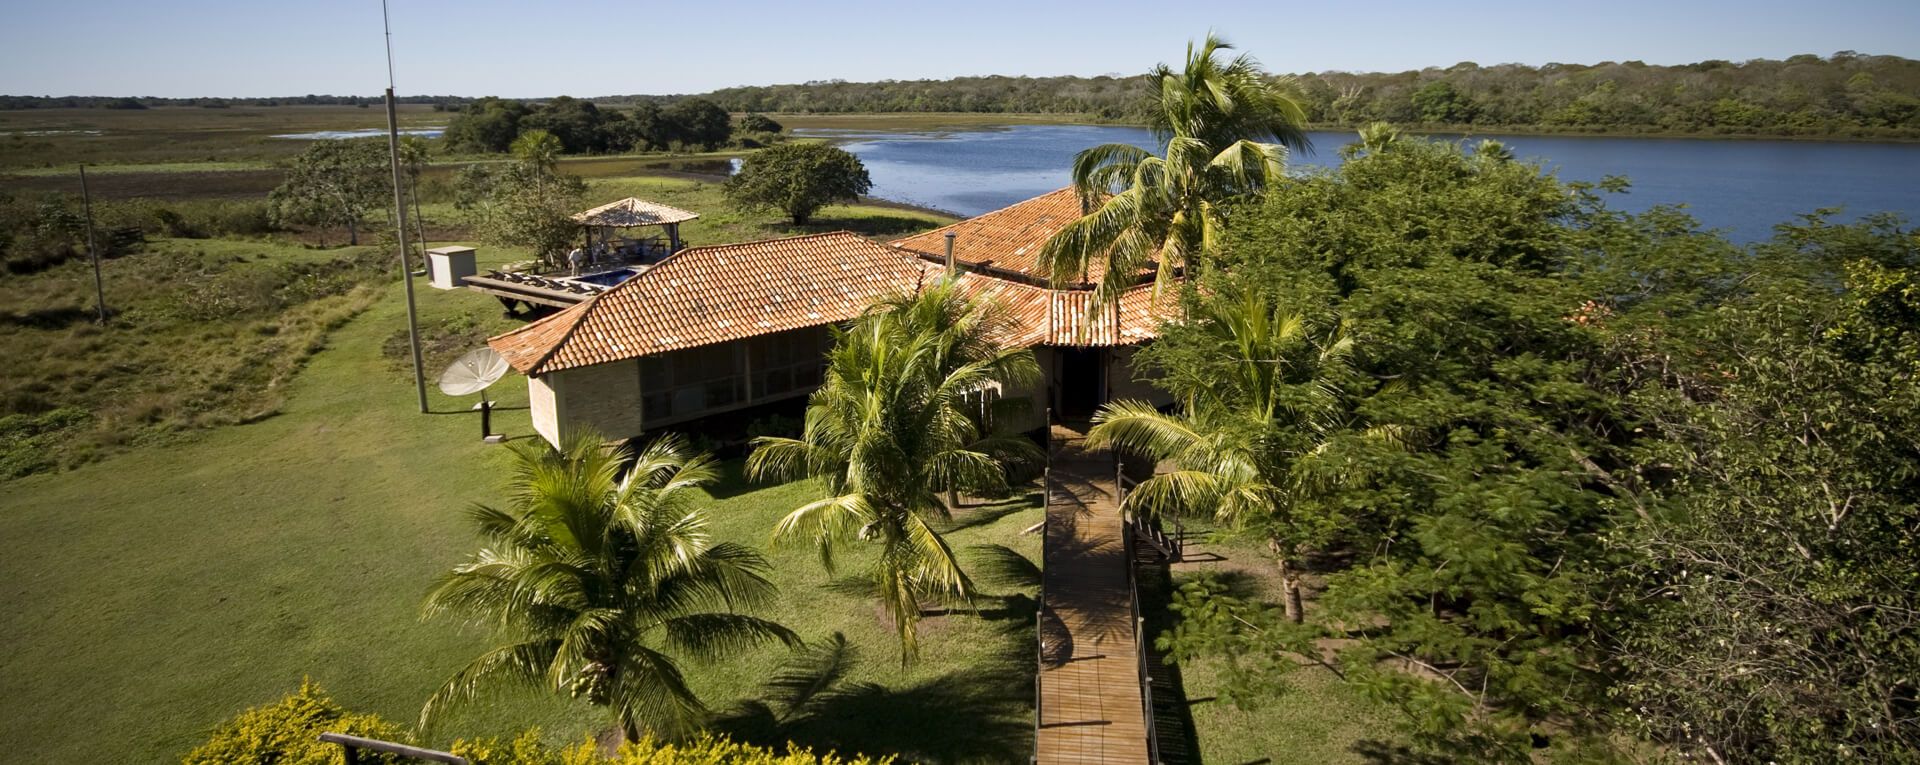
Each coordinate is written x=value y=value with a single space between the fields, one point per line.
x=287 y=732
x=707 y=750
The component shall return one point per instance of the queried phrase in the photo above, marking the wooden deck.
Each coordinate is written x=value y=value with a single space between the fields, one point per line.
x=1089 y=691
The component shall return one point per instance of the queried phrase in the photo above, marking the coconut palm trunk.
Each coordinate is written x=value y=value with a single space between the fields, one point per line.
x=891 y=431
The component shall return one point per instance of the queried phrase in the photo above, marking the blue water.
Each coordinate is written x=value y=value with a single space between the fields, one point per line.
x=1743 y=187
x=331 y=135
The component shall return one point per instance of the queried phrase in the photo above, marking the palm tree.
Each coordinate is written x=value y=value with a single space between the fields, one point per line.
x=1227 y=126
x=1256 y=445
x=896 y=423
x=601 y=581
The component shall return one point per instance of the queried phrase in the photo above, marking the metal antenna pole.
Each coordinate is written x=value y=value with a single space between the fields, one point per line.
x=86 y=206
x=400 y=219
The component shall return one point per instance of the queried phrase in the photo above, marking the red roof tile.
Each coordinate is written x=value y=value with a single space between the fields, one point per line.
x=1009 y=239
x=708 y=295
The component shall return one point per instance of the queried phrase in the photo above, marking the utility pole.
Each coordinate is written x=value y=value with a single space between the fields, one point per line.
x=400 y=219
x=86 y=206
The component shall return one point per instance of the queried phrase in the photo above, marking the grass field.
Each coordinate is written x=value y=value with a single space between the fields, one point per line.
x=173 y=135
x=1315 y=718
x=159 y=591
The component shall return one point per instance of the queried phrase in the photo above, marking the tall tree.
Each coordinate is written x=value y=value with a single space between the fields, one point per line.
x=599 y=582
x=894 y=425
x=333 y=183
x=526 y=203
x=1255 y=446
x=798 y=179
x=697 y=123
x=1227 y=125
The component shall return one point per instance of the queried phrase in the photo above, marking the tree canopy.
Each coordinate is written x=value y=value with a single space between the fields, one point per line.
x=333 y=183
x=1642 y=480
x=798 y=179
x=524 y=203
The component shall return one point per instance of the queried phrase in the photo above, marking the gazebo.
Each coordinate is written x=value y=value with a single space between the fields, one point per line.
x=634 y=213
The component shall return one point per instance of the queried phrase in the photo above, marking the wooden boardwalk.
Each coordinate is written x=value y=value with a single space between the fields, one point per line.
x=1089 y=691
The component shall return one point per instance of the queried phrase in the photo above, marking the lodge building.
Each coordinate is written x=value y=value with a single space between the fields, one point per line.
x=724 y=329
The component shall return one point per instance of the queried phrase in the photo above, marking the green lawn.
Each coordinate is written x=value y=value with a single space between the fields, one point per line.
x=156 y=592
x=1315 y=718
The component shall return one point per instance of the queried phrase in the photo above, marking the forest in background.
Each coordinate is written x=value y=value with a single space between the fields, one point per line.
x=1845 y=95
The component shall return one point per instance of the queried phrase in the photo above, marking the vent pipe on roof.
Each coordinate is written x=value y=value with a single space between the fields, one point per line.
x=950 y=269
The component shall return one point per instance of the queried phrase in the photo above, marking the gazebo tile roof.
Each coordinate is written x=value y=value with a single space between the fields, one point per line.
x=633 y=211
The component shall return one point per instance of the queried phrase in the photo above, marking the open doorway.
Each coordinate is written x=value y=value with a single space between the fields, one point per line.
x=1081 y=382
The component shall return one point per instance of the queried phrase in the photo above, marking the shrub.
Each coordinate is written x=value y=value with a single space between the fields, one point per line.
x=707 y=750
x=287 y=732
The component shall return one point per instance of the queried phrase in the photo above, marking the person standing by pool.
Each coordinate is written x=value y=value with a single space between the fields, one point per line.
x=576 y=259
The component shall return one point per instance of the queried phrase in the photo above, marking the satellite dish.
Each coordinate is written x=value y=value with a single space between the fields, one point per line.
x=472 y=373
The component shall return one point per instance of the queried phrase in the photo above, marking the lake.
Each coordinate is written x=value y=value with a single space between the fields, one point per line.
x=1744 y=187
x=336 y=135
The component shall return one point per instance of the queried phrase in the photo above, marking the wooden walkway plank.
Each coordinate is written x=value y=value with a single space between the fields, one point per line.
x=1091 y=711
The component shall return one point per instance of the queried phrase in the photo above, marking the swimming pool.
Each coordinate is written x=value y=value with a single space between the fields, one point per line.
x=607 y=278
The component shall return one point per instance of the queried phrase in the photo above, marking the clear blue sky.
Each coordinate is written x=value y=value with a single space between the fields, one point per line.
x=600 y=47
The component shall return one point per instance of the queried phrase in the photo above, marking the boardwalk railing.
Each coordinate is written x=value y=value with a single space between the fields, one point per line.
x=1121 y=486
x=1040 y=599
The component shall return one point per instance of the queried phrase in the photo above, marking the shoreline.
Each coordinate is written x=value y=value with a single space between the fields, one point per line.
x=935 y=122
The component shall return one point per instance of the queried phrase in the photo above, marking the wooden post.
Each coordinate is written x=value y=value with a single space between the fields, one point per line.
x=86 y=206
x=400 y=222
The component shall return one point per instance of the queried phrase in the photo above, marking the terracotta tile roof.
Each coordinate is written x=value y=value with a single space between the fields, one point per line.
x=633 y=211
x=708 y=295
x=1064 y=317
x=1008 y=239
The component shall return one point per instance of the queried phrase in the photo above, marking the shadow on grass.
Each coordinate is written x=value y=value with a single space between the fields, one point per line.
x=988 y=514
x=1377 y=752
x=48 y=318
x=980 y=715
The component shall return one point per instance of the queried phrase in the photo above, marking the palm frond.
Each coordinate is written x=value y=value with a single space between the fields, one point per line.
x=521 y=663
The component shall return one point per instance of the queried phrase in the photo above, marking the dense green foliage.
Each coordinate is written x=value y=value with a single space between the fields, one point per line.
x=600 y=577
x=1845 y=94
x=1635 y=483
x=526 y=203
x=334 y=183
x=1227 y=128
x=798 y=179
x=898 y=420
x=287 y=732
x=491 y=125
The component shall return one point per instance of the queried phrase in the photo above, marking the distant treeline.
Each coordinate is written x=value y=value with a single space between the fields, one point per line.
x=583 y=127
x=1846 y=94
x=442 y=103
